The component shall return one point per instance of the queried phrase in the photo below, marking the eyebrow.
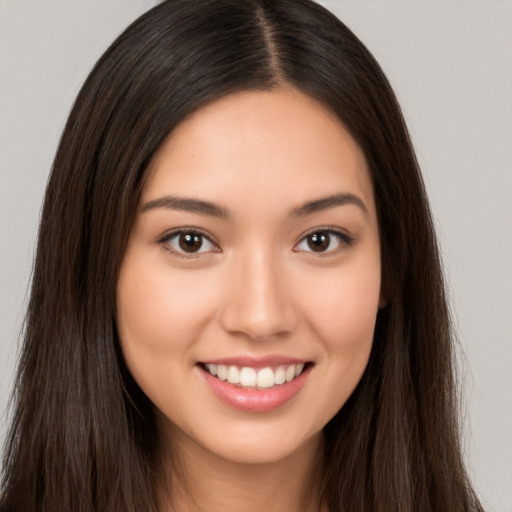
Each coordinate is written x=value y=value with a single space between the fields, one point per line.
x=325 y=203
x=208 y=208
x=188 y=205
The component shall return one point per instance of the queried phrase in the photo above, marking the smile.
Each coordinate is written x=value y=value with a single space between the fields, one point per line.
x=255 y=386
x=254 y=378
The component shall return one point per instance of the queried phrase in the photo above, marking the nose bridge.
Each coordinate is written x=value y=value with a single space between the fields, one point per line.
x=258 y=303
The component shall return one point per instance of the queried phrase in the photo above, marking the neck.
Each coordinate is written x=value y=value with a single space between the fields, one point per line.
x=196 y=479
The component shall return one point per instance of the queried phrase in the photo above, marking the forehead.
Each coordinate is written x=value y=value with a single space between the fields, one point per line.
x=277 y=146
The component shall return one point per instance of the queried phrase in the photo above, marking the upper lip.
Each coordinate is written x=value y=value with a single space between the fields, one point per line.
x=256 y=362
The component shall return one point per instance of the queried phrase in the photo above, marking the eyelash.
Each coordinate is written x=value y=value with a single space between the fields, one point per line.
x=345 y=240
x=166 y=238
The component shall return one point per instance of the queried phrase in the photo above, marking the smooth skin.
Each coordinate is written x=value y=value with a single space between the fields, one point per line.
x=257 y=282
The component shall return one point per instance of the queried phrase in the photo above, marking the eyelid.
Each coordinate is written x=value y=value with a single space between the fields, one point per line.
x=168 y=235
x=346 y=240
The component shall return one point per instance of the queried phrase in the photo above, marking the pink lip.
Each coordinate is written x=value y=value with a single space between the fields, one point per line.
x=254 y=400
x=256 y=362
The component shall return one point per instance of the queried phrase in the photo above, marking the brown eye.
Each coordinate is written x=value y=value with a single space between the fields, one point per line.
x=323 y=241
x=319 y=242
x=188 y=242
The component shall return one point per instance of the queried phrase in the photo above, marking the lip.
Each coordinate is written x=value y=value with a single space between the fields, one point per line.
x=272 y=361
x=254 y=400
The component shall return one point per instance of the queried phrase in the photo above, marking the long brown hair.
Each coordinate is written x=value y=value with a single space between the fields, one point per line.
x=83 y=434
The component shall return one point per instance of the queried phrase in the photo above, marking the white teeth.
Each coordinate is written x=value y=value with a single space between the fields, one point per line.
x=250 y=377
x=222 y=372
x=265 y=378
x=212 y=368
x=280 y=376
x=233 y=375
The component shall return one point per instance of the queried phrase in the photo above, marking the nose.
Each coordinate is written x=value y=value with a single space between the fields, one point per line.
x=258 y=304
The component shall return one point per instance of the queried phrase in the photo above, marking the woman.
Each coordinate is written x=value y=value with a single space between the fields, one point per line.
x=237 y=300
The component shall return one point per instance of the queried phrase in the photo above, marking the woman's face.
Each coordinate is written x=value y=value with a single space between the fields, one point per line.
x=250 y=286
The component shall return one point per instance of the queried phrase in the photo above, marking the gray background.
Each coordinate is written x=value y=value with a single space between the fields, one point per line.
x=450 y=64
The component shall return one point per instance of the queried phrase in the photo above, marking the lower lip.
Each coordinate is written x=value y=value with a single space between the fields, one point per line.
x=255 y=400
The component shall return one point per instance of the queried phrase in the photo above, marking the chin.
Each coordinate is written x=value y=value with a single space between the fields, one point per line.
x=257 y=442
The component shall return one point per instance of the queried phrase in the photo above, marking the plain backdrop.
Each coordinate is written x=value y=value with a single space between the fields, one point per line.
x=450 y=63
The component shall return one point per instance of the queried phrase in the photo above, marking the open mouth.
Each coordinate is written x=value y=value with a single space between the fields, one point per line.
x=256 y=378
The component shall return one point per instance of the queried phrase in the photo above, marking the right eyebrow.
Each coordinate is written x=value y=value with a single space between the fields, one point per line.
x=188 y=205
x=325 y=203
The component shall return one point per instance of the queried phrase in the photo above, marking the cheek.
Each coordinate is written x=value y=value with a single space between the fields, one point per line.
x=160 y=317
x=160 y=309
x=344 y=307
x=349 y=319
x=342 y=314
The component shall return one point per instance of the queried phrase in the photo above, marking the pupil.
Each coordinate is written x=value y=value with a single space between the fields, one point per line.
x=318 y=241
x=190 y=242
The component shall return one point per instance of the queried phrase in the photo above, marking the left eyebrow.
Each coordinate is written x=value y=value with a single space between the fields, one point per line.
x=325 y=203
x=188 y=204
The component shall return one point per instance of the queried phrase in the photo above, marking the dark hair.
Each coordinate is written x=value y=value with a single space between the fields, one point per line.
x=83 y=433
